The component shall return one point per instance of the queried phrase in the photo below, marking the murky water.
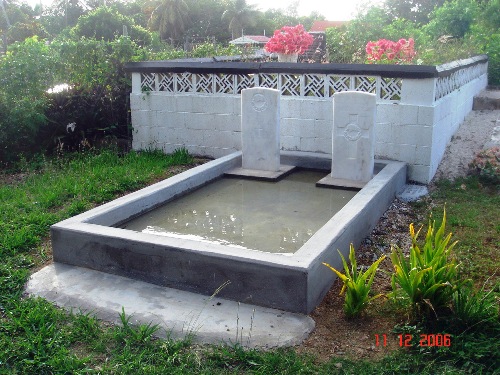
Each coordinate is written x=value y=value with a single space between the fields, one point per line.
x=277 y=217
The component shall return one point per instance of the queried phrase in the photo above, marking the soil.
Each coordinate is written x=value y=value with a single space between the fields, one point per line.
x=337 y=336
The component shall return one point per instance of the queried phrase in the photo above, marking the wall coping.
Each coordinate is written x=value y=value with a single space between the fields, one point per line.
x=214 y=65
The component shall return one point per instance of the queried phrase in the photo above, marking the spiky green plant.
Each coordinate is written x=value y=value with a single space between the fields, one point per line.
x=357 y=284
x=429 y=275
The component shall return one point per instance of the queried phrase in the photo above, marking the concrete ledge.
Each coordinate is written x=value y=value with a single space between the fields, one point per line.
x=254 y=174
x=179 y=314
x=331 y=182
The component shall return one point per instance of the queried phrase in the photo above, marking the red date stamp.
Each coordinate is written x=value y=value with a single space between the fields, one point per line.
x=406 y=340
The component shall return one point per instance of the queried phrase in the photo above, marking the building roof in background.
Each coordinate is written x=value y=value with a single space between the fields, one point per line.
x=321 y=26
x=250 y=39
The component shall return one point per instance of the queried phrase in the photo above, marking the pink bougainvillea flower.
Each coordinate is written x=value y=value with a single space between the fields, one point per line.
x=385 y=51
x=289 y=39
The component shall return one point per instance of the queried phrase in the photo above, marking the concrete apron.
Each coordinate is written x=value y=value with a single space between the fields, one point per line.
x=179 y=314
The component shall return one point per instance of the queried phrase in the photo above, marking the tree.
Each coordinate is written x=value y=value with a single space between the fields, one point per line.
x=412 y=10
x=239 y=14
x=170 y=18
x=454 y=18
x=62 y=14
x=107 y=24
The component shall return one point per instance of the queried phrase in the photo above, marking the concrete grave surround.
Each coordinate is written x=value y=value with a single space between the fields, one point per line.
x=295 y=283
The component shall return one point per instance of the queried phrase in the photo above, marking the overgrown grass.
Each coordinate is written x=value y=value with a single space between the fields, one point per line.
x=37 y=338
x=473 y=217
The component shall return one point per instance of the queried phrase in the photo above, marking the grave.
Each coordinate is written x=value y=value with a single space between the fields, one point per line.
x=353 y=140
x=294 y=280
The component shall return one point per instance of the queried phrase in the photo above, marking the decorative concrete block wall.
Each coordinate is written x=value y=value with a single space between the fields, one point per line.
x=198 y=106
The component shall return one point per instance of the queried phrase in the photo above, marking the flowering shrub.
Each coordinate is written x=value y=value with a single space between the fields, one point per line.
x=387 y=51
x=289 y=39
x=486 y=165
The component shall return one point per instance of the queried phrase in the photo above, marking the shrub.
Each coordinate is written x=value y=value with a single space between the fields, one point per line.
x=486 y=165
x=357 y=284
x=429 y=276
x=25 y=74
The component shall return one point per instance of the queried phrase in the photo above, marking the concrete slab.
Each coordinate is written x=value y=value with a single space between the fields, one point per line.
x=262 y=175
x=180 y=314
x=331 y=182
x=487 y=99
x=411 y=193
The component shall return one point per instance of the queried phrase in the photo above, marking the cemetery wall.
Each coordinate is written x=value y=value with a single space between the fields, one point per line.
x=198 y=107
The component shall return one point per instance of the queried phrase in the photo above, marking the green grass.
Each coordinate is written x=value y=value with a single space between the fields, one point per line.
x=37 y=338
x=473 y=217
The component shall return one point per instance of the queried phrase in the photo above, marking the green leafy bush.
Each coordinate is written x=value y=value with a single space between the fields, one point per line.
x=357 y=284
x=26 y=72
x=429 y=276
x=486 y=165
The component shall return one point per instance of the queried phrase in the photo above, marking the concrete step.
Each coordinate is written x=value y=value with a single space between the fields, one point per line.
x=179 y=314
x=487 y=99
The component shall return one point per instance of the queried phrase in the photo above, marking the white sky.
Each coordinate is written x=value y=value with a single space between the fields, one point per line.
x=333 y=10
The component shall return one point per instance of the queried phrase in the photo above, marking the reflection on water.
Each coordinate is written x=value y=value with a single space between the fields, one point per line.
x=276 y=217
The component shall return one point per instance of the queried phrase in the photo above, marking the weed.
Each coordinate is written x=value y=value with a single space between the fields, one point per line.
x=357 y=284
x=429 y=276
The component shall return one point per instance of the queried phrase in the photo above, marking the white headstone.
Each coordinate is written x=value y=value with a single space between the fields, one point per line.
x=260 y=129
x=353 y=136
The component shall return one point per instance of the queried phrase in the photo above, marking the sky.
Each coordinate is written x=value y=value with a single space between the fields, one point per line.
x=333 y=10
